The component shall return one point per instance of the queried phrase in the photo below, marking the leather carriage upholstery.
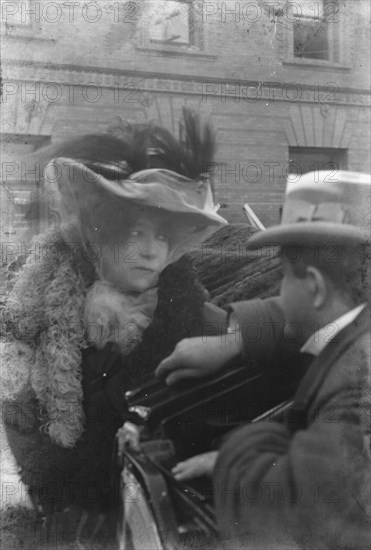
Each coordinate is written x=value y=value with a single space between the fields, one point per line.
x=174 y=424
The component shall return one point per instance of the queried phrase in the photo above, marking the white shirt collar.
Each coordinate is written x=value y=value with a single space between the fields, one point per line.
x=320 y=338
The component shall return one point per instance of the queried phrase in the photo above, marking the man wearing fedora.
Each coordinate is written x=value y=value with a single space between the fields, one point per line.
x=304 y=482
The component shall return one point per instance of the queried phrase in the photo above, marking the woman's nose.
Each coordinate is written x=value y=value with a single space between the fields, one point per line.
x=148 y=247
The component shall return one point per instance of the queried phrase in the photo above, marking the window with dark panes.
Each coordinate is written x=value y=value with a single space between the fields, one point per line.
x=314 y=24
x=311 y=159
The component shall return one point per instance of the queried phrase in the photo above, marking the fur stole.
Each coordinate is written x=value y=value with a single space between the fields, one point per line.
x=45 y=312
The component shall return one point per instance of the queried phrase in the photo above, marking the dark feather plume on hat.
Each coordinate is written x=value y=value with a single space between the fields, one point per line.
x=192 y=155
x=132 y=147
x=126 y=148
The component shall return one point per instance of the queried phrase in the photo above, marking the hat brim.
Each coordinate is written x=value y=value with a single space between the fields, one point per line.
x=79 y=187
x=183 y=211
x=308 y=233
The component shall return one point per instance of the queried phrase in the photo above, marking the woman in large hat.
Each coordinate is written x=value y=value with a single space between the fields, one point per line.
x=103 y=297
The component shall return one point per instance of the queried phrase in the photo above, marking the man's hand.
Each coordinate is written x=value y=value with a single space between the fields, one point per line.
x=199 y=358
x=197 y=466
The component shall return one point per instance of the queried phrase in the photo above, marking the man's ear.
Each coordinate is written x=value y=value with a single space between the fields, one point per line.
x=318 y=286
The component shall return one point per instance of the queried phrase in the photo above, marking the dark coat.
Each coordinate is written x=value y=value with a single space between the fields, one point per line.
x=59 y=477
x=305 y=483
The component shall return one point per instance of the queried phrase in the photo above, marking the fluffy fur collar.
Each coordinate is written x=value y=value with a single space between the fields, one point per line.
x=45 y=310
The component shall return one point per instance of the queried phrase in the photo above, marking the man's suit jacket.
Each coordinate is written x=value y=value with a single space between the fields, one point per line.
x=305 y=482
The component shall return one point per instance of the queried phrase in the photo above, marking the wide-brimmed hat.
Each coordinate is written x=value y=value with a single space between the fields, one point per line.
x=79 y=193
x=322 y=207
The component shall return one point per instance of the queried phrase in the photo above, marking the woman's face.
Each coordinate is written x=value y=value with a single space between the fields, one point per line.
x=135 y=265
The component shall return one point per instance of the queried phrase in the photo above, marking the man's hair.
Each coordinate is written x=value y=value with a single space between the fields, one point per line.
x=347 y=267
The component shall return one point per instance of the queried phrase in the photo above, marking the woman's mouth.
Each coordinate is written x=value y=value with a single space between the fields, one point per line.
x=145 y=270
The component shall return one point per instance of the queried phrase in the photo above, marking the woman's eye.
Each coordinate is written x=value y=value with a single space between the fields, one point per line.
x=163 y=237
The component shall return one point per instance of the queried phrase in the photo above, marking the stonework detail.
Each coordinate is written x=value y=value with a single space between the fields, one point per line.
x=81 y=75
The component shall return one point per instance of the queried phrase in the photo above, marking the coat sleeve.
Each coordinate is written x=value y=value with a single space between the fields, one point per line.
x=309 y=489
x=262 y=327
x=214 y=320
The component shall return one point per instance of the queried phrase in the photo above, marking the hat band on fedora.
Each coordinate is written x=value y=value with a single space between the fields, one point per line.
x=333 y=212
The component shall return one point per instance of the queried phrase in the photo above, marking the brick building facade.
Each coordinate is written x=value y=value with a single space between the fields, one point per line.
x=284 y=83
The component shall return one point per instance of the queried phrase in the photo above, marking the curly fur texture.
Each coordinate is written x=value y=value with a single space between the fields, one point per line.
x=15 y=369
x=57 y=474
x=45 y=310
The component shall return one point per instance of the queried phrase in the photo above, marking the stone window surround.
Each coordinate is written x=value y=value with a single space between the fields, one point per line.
x=336 y=31
x=200 y=49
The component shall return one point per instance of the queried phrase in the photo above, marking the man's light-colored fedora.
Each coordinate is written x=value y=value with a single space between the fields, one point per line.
x=322 y=207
